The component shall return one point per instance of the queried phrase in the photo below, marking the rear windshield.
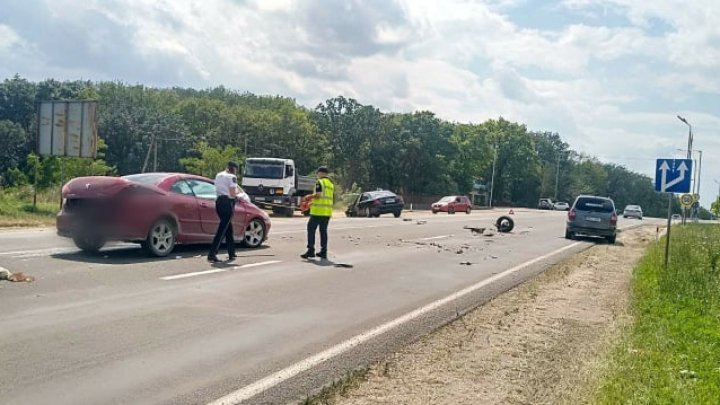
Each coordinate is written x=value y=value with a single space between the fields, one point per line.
x=146 y=179
x=381 y=194
x=594 y=205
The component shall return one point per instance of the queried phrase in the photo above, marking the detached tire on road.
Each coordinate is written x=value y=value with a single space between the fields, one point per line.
x=505 y=224
x=254 y=234
x=89 y=243
x=161 y=238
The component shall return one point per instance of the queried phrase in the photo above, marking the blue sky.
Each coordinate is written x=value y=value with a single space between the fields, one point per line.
x=609 y=76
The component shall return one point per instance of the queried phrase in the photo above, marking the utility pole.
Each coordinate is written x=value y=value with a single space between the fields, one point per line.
x=147 y=157
x=557 y=177
x=155 y=159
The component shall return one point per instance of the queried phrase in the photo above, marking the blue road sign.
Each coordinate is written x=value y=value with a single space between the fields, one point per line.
x=673 y=175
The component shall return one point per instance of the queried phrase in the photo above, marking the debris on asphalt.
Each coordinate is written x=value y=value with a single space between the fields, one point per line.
x=344 y=265
x=6 y=274
x=178 y=257
x=474 y=230
x=421 y=222
x=407 y=219
x=466 y=263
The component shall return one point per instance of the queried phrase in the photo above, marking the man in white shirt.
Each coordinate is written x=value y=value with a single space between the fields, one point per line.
x=227 y=192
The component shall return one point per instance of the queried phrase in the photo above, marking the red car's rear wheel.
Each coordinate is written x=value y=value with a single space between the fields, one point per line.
x=161 y=238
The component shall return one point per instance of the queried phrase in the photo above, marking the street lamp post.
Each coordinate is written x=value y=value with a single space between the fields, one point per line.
x=492 y=179
x=690 y=136
x=689 y=150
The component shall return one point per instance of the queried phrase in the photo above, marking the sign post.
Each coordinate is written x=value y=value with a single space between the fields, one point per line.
x=673 y=176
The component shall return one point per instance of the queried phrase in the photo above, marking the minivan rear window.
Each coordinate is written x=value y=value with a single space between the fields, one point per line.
x=594 y=205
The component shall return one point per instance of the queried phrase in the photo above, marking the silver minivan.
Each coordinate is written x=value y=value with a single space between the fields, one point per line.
x=592 y=216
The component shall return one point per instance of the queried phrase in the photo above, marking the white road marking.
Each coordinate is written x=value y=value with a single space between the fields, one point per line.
x=436 y=237
x=202 y=273
x=274 y=379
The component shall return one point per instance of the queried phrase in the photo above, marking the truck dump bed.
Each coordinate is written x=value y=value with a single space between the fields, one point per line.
x=306 y=183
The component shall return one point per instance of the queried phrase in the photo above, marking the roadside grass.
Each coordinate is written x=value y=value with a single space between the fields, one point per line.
x=671 y=352
x=16 y=207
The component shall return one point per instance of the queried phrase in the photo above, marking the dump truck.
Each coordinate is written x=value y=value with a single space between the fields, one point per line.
x=273 y=183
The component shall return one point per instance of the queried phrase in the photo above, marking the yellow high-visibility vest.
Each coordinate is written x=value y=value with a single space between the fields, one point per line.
x=323 y=206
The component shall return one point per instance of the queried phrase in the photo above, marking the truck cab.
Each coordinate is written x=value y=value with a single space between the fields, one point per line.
x=273 y=183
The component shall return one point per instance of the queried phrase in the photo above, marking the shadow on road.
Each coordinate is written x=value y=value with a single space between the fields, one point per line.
x=137 y=255
x=329 y=263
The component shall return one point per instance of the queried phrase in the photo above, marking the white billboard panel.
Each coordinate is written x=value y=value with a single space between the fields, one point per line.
x=67 y=128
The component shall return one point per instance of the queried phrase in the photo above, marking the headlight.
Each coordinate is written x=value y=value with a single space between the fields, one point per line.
x=278 y=191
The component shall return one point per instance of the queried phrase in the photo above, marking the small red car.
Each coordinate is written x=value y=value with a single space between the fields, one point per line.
x=157 y=210
x=452 y=204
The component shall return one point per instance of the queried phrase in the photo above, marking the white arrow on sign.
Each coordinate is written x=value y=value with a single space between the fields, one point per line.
x=664 y=167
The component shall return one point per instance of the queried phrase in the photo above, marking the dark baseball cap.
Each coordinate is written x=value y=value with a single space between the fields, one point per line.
x=232 y=164
x=323 y=169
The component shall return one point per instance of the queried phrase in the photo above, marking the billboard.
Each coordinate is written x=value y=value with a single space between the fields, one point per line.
x=67 y=128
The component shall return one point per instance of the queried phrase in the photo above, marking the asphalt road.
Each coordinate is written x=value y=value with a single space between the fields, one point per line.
x=120 y=327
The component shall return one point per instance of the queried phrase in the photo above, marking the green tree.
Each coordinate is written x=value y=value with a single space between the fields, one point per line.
x=211 y=160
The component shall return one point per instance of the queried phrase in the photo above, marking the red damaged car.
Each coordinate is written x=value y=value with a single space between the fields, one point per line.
x=452 y=204
x=157 y=210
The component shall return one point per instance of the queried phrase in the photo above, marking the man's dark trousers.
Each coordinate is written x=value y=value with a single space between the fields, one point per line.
x=224 y=206
x=312 y=226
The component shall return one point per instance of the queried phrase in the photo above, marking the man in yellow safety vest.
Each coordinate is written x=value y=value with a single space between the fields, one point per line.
x=320 y=212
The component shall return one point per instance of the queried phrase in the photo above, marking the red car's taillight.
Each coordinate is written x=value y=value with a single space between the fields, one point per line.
x=613 y=219
x=571 y=215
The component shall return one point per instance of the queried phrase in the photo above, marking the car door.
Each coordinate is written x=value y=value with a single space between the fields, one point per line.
x=205 y=193
x=186 y=208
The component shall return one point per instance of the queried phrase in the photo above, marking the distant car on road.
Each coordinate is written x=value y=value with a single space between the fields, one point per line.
x=633 y=211
x=561 y=206
x=676 y=217
x=376 y=203
x=452 y=204
x=157 y=210
x=545 y=204
x=592 y=216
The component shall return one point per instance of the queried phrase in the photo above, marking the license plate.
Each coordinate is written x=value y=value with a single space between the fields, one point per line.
x=277 y=201
x=390 y=200
x=592 y=219
x=259 y=198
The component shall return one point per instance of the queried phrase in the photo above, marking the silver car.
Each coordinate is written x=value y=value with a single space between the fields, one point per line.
x=633 y=211
x=592 y=216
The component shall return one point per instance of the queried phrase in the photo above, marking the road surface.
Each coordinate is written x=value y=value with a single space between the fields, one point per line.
x=119 y=327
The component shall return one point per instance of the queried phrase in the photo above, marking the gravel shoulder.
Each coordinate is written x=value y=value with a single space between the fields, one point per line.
x=543 y=342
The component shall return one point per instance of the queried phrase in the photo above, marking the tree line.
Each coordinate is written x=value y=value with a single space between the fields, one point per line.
x=410 y=153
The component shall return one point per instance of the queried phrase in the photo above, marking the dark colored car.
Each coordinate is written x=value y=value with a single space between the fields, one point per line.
x=545 y=204
x=452 y=204
x=376 y=203
x=157 y=210
x=592 y=216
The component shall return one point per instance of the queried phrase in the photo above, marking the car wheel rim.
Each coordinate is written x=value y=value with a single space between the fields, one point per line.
x=162 y=237
x=254 y=233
